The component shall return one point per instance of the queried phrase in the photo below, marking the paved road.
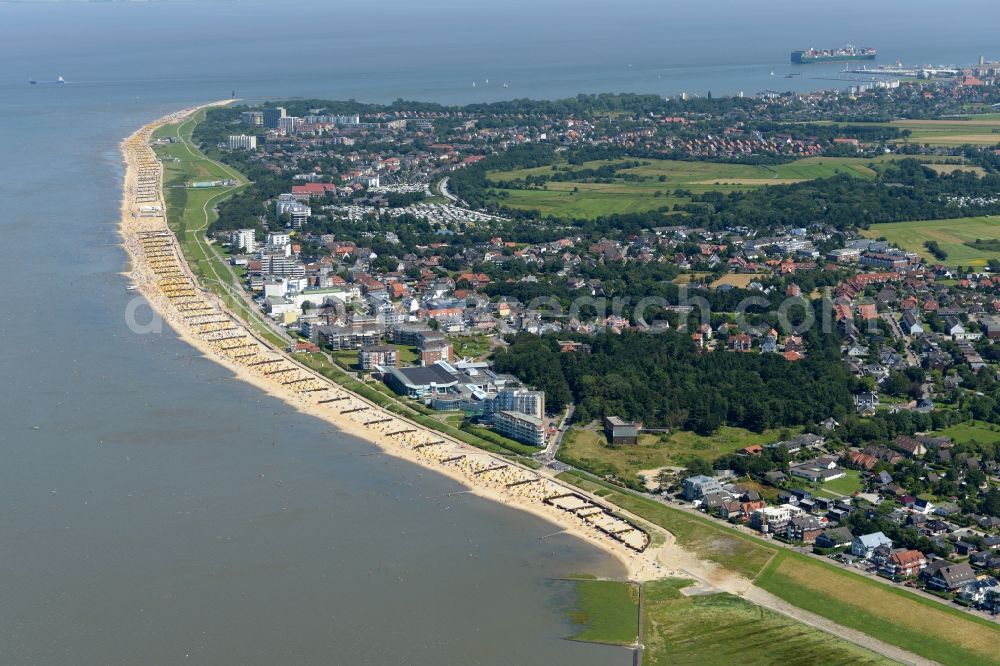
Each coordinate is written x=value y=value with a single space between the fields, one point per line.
x=443 y=188
x=550 y=451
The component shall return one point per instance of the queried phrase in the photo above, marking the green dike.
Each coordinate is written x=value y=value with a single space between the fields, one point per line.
x=922 y=626
x=606 y=611
x=891 y=614
x=702 y=536
x=721 y=629
x=190 y=212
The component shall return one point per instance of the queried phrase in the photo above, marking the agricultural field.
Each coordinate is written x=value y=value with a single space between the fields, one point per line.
x=980 y=130
x=956 y=236
x=930 y=629
x=589 y=446
x=590 y=200
x=606 y=611
x=706 y=630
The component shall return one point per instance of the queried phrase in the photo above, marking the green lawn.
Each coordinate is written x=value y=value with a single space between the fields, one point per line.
x=952 y=235
x=721 y=629
x=925 y=627
x=606 y=611
x=979 y=431
x=473 y=346
x=589 y=200
x=588 y=447
x=847 y=485
x=703 y=536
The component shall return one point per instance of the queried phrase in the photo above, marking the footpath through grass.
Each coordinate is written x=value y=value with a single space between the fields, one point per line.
x=190 y=212
x=925 y=627
x=721 y=629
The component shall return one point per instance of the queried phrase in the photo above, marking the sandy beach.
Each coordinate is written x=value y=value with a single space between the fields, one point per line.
x=159 y=272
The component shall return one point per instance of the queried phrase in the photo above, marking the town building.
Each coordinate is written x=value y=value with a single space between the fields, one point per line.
x=865 y=545
x=520 y=427
x=904 y=564
x=244 y=240
x=378 y=355
x=620 y=431
x=242 y=142
x=422 y=381
x=696 y=487
x=272 y=116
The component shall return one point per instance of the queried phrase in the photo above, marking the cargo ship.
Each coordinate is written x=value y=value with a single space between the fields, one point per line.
x=833 y=55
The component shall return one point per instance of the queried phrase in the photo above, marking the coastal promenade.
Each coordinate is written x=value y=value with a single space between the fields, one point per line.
x=161 y=274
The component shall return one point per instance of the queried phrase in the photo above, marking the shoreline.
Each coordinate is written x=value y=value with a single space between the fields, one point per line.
x=160 y=273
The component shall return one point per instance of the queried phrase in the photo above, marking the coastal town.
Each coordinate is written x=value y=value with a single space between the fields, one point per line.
x=361 y=246
x=606 y=308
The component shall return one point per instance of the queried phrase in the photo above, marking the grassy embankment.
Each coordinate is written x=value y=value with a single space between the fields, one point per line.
x=702 y=629
x=925 y=627
x=190 y=211
x=888 y=613
x=721 y=629
x=958 y=237
x=590 y=200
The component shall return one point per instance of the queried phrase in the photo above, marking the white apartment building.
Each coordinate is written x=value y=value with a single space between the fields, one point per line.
x=242 y=142
x=244 y=239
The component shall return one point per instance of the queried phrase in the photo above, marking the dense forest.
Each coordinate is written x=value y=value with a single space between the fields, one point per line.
x=663 y=381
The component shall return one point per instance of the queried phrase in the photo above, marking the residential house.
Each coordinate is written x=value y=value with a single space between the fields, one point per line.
x=696 y=487
x=803 y=528
x=836 y=537
x=904 y=564
x=951 y=577
x=865 y=545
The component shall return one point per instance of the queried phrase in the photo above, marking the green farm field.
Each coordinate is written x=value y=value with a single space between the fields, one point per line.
x=978 y=130
x=590 y=200
x=952 y=235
